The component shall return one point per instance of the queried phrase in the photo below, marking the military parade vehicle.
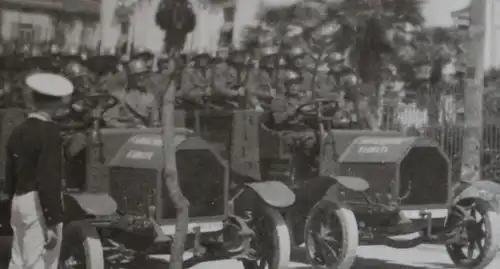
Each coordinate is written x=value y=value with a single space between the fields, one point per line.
x=369 y=187
x=116 y=202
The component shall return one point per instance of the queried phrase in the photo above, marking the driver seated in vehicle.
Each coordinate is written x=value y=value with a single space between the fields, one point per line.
x=284 y=117
x=138 y=106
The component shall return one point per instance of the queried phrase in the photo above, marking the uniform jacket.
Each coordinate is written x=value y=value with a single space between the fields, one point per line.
x=34 y=163
x=194 y=83
x=226 y=80
x=135 y=108
x=283 y=108
x=261 y=83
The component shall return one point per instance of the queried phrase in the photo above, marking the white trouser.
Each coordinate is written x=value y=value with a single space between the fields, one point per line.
x=28 y=246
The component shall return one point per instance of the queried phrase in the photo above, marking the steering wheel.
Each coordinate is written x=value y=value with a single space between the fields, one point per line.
x=102 y=101
x=309 y=109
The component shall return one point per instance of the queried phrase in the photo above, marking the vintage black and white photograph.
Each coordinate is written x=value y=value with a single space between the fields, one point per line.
x=249 y=134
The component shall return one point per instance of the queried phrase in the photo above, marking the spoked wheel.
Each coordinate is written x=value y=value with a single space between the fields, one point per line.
x=479 y=238
x=271 y=242
x=331 y=236
x=81 y=247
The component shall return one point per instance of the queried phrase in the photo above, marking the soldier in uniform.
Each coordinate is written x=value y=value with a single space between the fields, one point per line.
x=196 y=78
x=295 y=59
x=263 y=81
x=73 y=66
x=138 y=107
x=34 y=177
x=234 y=82
x=283 y=109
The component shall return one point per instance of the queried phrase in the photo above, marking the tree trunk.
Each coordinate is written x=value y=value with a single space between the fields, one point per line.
x=368 y=106
x=473 y=133
x=180 y=202
x=433 y=105
x=379 y=106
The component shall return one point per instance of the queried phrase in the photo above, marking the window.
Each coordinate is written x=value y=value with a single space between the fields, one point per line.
x=26 y=32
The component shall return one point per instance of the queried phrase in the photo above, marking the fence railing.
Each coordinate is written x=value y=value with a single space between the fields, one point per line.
x=450 y=137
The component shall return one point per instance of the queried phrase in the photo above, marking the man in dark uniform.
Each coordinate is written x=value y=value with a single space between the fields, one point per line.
x=138 y=107
x=236 y=78
x=83 y=81
x=283 y=109
x=34 y=177
x=196 y=78
x=263 y=81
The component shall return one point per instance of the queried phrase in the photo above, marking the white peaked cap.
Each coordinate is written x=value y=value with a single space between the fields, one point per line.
x=50 y=84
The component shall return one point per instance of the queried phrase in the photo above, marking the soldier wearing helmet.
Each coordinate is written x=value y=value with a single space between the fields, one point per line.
x=73 y=67
x=295 y=59
x=138 y=106
x=233 y=77
x=196 y=78
x=263 y=81
x=283 y=109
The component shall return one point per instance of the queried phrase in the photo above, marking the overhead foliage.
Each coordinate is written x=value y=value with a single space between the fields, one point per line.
x=177 y=19
x=364 y=37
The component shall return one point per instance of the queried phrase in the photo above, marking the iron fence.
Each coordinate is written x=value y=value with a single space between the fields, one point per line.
x=450 y=137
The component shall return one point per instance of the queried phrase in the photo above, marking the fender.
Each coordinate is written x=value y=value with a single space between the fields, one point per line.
x=485 y=190
x=355 y=184
x=352 y=183
x=273 y=193
x=96 y=204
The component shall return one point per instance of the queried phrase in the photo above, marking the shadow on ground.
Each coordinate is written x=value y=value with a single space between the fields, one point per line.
x=370 y=263
x=299 y=260
x=361 y=263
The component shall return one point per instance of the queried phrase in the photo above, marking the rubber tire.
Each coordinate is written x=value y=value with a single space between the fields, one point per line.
x=492 y=223
x=282 y=241
x=349 y=234
x=87 y=234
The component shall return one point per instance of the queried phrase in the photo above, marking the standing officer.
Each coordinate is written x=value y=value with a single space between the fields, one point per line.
x=34 y=177
x=138 y=107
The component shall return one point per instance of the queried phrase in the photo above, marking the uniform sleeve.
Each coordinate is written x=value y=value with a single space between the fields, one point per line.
x=112 y=115
x=279 y=110
x=49 y=176
x=10 y=177
x=224 y=79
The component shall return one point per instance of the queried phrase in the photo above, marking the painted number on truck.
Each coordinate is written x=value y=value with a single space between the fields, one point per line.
x=373 y=149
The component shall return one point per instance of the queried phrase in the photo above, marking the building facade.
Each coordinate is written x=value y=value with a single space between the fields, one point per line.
x=71 y=22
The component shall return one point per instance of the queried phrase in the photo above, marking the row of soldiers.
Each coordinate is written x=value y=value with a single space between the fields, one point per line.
x=231 y=79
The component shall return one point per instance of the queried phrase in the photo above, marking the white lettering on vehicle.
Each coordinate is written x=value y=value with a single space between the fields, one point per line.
x=139 y=155
x=373 y=149
x=382 y=141
x=149 y=141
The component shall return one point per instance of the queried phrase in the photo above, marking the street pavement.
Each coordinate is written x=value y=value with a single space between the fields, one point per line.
x=369 y=257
